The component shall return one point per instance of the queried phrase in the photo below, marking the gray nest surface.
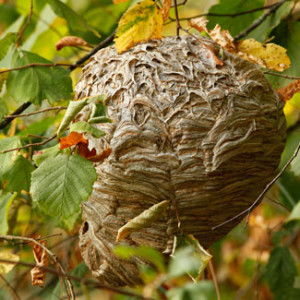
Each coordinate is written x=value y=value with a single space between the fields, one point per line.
x=206 y=137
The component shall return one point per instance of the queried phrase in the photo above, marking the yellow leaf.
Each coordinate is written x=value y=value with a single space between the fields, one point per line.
x=3 y=77
x=143 y=220
x=4 y=266
x=269 y=56
x=141 y=22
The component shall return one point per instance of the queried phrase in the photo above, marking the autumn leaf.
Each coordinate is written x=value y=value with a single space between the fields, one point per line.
x=143 y=220
x=91 y=155
x=72 y=139
x=71 y=41
x=166 y=9
x=141 y=22
x=38 y=275
x=7 y=267
x=287 y=92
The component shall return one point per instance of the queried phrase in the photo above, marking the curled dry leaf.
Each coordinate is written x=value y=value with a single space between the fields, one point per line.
x=287 y=92
x=72 y=139
x=166 y=9
x=71 y=41
x=38 y=275
x=268 y=55
x=91 y=155
x=143 y=220
x=141 y=22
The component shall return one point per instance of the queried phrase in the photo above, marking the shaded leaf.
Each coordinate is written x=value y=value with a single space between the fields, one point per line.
x=61 y=184
x=295 y=213
x=17 y=177
x=38 y=83
x=71 y=41
x=5 y=204
x=281 y=272
x=7 y=267
x=38 y=275
x=6 y=42
x=73 y=109
x=148 y=253
x=143 y=220
x=44 y=154
x=101 y=119
x=141 y=22
x=72 y=139
x=82 y=127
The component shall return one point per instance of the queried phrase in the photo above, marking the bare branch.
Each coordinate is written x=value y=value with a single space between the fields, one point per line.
x=177 y=18
x=262 y=194
x=282 y=75
x=50 y=253
x=258 y=21
x=58 y=108
x=31 y=145
x=26 y=24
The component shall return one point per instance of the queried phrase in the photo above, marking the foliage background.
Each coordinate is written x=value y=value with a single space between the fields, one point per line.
x=261 y=261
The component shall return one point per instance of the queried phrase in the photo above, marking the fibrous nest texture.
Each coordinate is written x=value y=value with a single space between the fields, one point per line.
x=204 y=136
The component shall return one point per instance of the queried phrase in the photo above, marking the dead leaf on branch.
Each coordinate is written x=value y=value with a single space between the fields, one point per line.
x=287 y=92
x=166 y=9
x=71 y=41
x=72 y=139
x=267 y=55
x=38 y=275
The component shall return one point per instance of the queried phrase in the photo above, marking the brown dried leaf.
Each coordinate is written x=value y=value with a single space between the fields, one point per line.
x=38 y=275
x=166 y=9
x=287 y=92
x=71 y=41
x=72 y=139
x=143 y=220
x=223 y=38
x=199 y=24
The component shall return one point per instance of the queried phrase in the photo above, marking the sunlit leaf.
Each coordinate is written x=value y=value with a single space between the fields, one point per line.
x=45 y=154
x=17 y=177
x=3 y=77
x=86 y=127
x=38 y=83
x=5 y=204
x=74 y=138
x=61 y=184
x=7 y=267
x=6 y=42
x=295 y=213
x=143 y=220
x=141 y=22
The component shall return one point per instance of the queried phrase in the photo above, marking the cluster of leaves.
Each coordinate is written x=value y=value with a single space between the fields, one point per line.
x=44 y=180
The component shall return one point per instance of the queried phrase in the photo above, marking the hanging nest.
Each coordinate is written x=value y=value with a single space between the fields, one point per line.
x=206 y=137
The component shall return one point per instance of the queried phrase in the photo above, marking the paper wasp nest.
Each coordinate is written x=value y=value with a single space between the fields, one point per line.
x=206 y=137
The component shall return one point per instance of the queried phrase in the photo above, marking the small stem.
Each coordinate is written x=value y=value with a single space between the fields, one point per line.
x=26 y=24
x=58 y=108
x=282 y=75
x=178 y=26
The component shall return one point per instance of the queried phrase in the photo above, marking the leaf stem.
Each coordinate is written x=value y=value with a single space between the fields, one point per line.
x=25 y=25
x=58 y=108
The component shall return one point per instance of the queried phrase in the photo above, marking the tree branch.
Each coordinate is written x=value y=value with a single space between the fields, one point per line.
x=178 y=26
x=257 y=22
x=26 y=24
x=58 y=108
x=282 y=75
x=262 y=194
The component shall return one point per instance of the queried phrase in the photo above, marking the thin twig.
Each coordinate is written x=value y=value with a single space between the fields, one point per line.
x=50 y=253
x=262 y=194
x=214 y=278
x=40 y=238
x=178 y=26
x=31 y=145
x=11 y=289
x=32 y=65
x=258 y=21
x=282 y=75
x=180 y=4
x=85 y=281
x=59 y=108
x=26 y=24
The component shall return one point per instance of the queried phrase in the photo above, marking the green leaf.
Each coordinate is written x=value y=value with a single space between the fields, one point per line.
x=6 y=158
x=61 y=183
x=281 y=273
x=203 y=290
x=3 y=108
x=76 y=22
x=46 y=154
x=82 y=127
x=261 y=33
x=17 y=177
x=73 y=109
x=5 y=203
x=148 y=253
x=295 y=213
x=79 y=271
x=237 y=24
x=97 y=120
x=295 y=165
x=35 y=84
x=6 y=42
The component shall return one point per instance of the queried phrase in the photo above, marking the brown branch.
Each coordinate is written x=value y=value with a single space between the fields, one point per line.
x=214 y=278
x=258 y=21
x=26 y=24
x=180 y=4
x=262 y=194
x=50 y=253
x=31 y=145
x=282 y=75
x=58 y=108
x=12 y=291
x=84 y=281
x=178 y=26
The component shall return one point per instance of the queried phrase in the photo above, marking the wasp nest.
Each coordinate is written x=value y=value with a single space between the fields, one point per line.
x=206 y=137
